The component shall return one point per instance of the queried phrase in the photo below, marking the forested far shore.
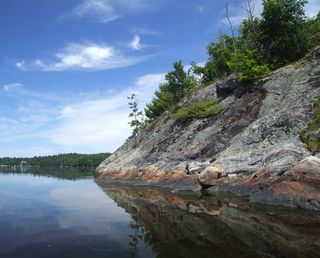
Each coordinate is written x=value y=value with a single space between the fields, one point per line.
x=60 y=160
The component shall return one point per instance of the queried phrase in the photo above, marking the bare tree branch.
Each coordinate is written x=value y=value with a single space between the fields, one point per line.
x=249 y=9
x=229 y=21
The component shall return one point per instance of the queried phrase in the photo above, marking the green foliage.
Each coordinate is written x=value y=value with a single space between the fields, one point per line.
x=282 y=34
x=219 y=54
x=249 y=38
x=162 y=101
x=311 y=134
x=312 y=29
x=179 y=84
x=242 y=63
x=60 y=160
x=200 y=109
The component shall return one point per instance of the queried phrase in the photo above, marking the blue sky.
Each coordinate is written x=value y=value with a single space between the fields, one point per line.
x=68 y=66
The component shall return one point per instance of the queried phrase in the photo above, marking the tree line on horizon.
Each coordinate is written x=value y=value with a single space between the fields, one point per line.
x=60 y=160
x=281 y=35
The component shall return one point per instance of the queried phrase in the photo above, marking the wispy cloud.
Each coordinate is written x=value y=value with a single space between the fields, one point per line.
x=102 y=124
x=12 y=87
x=85 y=122
x=20 y=65
x=80 y=57
x=18 y=90
x=105 y=11
x=101 y=10
x=135 y=44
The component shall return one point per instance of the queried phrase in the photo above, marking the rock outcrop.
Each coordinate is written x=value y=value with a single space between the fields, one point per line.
x=255 y=143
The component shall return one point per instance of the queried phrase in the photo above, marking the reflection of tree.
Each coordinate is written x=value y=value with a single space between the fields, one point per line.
x=137 y=235
x=23 y=166
x=61 y=173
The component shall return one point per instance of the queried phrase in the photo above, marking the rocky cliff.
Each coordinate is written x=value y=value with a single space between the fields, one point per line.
x=253 y=148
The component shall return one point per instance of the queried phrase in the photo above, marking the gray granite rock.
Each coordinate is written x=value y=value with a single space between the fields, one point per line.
x=256 y=131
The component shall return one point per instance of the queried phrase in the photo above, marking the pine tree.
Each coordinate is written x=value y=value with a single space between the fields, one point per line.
x=137 y=116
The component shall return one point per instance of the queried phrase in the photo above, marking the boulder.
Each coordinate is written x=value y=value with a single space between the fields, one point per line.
x=209 y=176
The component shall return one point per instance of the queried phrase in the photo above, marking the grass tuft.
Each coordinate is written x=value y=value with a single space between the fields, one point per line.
x=200 y=109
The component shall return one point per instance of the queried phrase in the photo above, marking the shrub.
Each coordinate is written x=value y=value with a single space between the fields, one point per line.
x=246 y=67
x=200 y=109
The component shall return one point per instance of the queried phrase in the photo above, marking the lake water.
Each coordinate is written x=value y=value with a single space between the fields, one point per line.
x=52 y=213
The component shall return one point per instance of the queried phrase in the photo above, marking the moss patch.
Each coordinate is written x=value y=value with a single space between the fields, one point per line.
x=200 y=109
x=311 y=134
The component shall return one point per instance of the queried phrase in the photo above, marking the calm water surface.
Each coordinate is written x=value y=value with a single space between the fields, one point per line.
x=51 y=213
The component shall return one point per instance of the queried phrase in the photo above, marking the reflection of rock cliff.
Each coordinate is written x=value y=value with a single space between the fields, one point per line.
x=185 y=225
x=257 y=131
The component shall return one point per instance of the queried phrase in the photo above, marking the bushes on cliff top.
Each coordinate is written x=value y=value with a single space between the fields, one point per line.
x=311 y=134
x=282 y=35
x=199 y=109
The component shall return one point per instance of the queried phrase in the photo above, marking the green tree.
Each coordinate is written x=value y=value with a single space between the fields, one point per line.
x=178 y=84
x=282 y=34
x=219 y=54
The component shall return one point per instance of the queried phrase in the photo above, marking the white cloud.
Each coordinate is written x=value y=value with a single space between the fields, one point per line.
x=85 y=122
x=102 y=124
x=101 y=10
x=135 y=44
x=105 y=11
x=12 y=87
x=20 y=65
x=88 y=56
x=18 y=90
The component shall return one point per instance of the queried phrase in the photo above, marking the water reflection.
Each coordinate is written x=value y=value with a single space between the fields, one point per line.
x=69 y=173
x=207 y=226
x=52 y=214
